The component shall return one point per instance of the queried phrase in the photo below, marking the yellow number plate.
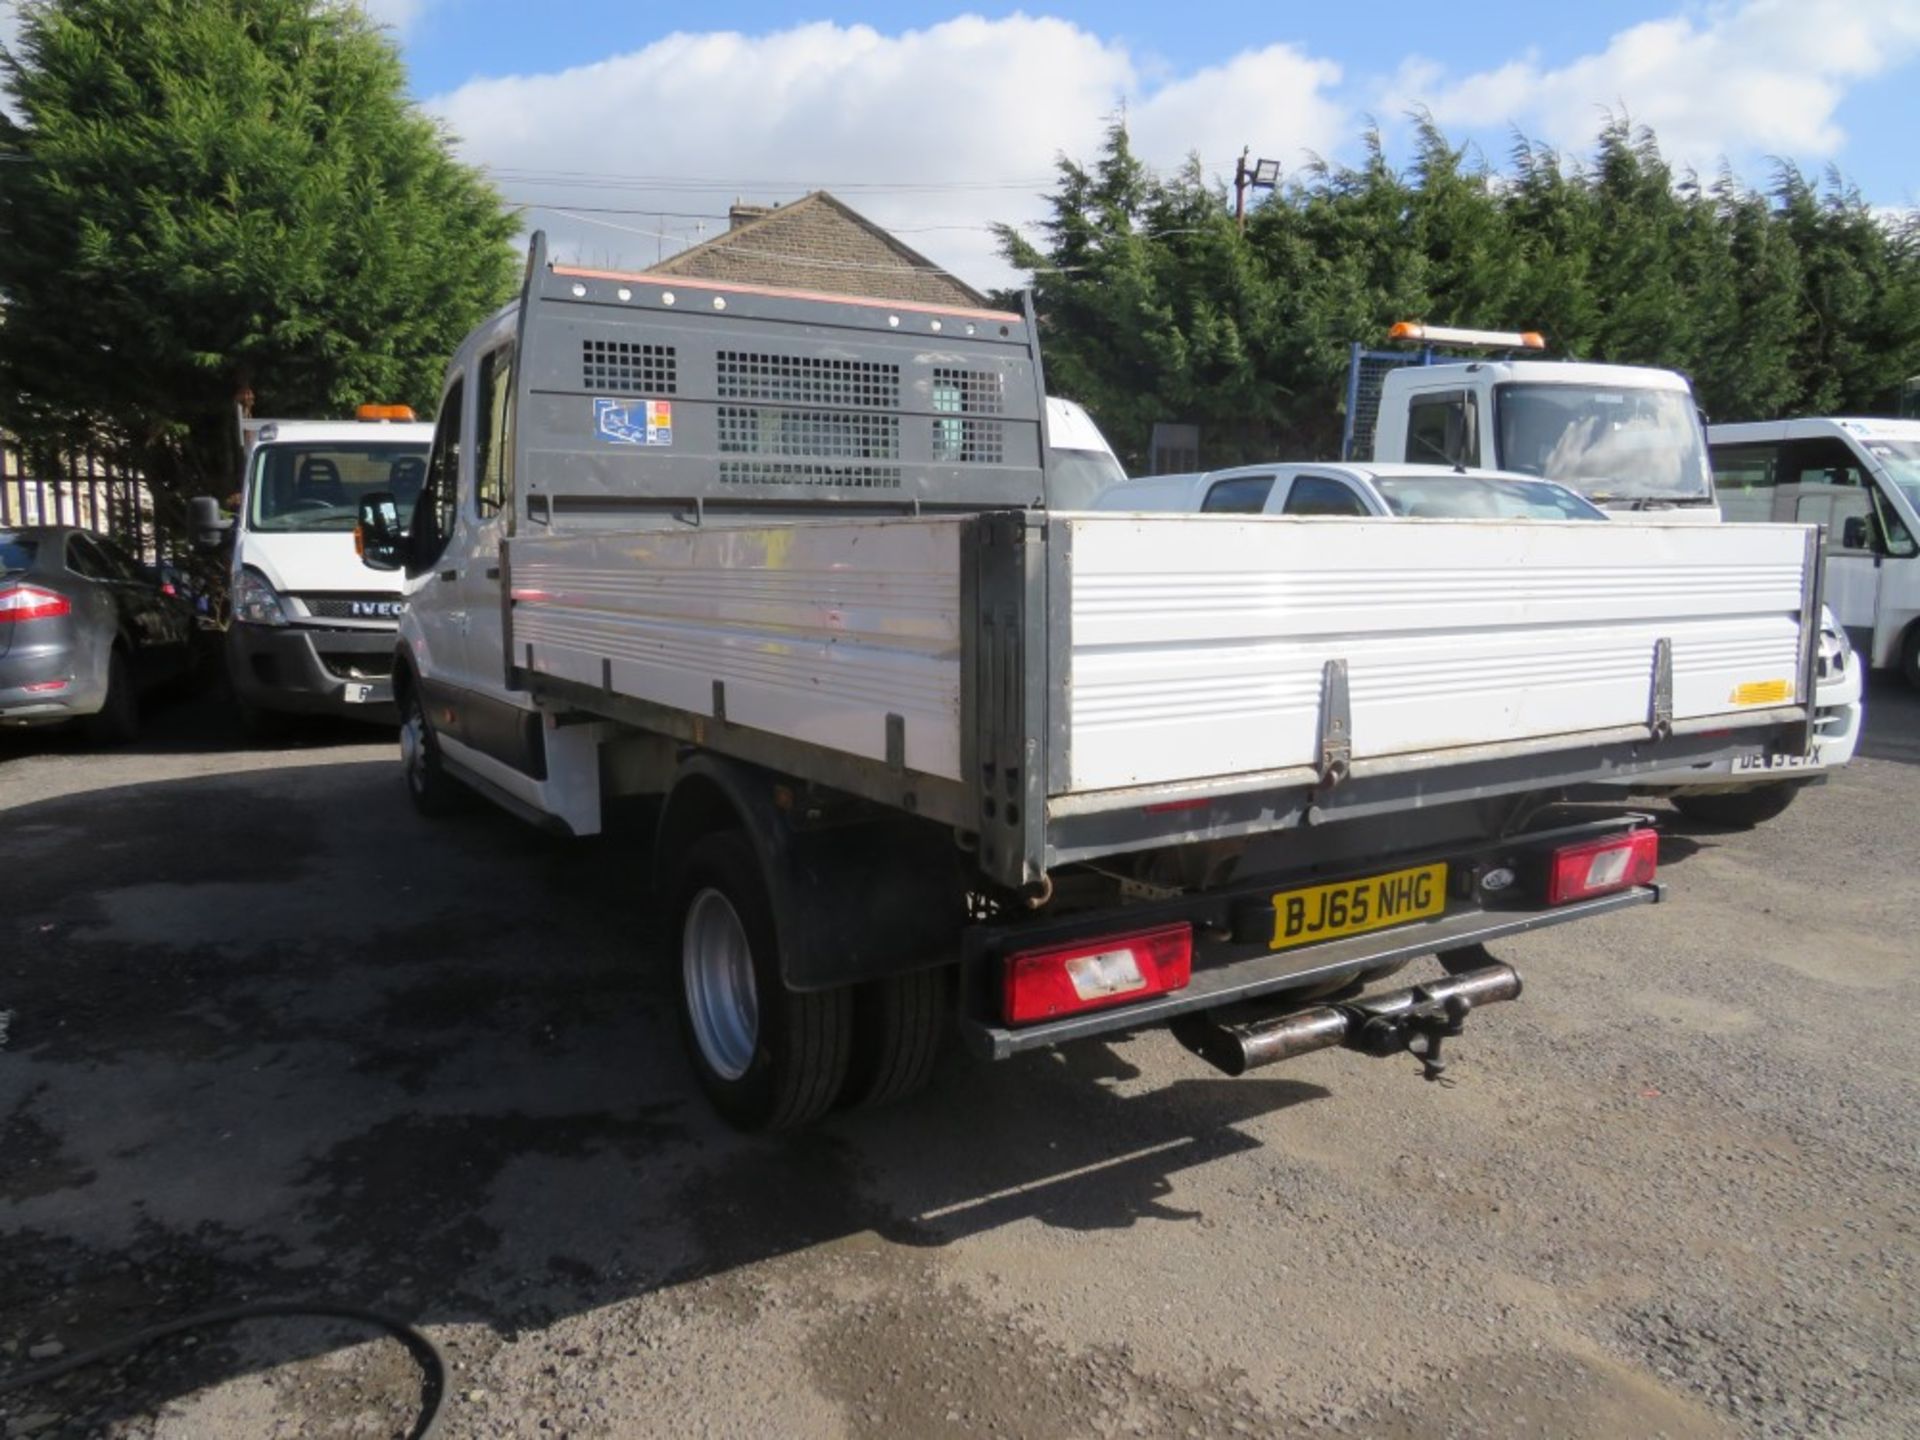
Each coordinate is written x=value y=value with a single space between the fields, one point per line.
x=1322 y=912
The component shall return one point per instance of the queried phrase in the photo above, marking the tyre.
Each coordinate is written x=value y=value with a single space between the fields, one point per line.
x=899 y=1025
x=117 y=722
x=434 y=792
x=1910 y=656
x=1737 y=809
x=767 y=1057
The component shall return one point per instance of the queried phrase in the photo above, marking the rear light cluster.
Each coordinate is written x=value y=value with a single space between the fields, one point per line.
x=30 y=602
x=1057 y=980
x=1600 y=867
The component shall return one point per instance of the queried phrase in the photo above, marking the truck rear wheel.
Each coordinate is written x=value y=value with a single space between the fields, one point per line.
x=899 y=1024
x=767 y=1057
x=1738 y=809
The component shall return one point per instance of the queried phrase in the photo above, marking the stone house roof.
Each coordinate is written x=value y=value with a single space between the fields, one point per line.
x=818 y=243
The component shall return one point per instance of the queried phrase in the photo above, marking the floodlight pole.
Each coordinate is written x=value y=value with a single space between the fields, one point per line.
x=1262 y=175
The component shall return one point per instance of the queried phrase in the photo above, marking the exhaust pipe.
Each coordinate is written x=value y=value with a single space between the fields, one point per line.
x=1378 y=1025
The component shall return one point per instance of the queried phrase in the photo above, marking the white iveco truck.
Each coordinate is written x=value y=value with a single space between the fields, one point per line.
x=935 y=754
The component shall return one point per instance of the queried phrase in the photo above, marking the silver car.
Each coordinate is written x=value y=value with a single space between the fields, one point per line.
x=85 y=628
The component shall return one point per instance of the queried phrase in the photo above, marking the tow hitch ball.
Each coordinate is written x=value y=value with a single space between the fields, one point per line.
x=1419 y=1020
x=1419 y=1031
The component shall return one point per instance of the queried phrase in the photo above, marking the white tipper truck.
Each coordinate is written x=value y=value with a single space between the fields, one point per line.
x=931 y=754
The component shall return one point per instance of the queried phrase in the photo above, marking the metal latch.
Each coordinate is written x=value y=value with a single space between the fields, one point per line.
x=1336 y=724
x=1660 y=703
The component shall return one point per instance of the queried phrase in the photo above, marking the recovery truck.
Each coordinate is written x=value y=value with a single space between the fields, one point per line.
x=932 y=754
x=1628 y=437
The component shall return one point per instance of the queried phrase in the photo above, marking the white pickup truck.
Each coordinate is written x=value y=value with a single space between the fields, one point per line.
x=932 y=753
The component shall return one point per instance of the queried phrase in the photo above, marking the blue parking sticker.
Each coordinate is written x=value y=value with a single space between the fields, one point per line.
x=633 y=422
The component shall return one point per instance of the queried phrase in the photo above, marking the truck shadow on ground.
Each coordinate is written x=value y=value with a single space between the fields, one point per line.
x=272 y=1035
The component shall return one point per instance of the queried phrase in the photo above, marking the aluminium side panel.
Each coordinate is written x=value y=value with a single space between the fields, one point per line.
x=1199 y=644
x=839 y=634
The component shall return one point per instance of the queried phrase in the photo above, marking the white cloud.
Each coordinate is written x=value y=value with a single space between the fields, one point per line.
x=399 y=14
x=1738 y=81
x=952 y=109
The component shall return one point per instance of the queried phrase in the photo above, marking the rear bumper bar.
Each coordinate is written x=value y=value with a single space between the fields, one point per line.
x=1270 y=974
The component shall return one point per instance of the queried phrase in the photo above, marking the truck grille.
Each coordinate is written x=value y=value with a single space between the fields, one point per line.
x=354 y=607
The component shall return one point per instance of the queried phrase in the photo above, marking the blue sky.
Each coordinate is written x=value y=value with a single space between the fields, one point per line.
x=626 y=128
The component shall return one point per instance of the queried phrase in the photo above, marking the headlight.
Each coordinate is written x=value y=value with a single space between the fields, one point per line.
x=255 y=601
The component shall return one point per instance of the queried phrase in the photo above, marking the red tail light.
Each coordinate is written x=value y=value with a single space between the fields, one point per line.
x=1599 y=867
x=30 y=602
x=1092 y=974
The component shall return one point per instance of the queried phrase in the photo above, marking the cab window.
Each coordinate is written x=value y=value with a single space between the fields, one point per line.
x=1746 y=479
x=1241 y=495
x=1443 y=428
x=1318 y=495
x=1822 y=482
x=434 y=512
x=493 y=435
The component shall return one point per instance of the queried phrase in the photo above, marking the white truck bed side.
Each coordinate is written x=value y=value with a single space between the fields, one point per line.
x=816 y=631
x=1198 y=644
x=1194 y=647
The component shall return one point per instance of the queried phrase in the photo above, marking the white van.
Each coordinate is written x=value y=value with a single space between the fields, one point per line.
x=1080 y=464
x=1860 y=478
x=313 y=629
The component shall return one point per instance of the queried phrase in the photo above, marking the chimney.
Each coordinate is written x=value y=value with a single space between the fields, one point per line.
x=739 y=213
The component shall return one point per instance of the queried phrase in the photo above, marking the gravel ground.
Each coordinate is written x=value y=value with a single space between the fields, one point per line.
x=270 y=1035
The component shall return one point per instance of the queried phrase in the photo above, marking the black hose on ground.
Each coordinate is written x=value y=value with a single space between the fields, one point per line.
x=433 y=1364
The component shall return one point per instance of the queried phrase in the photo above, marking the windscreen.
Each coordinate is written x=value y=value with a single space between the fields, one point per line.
x=16 y=553
x=1901 y=458
x=1611 y=443
x=1477 y=497
x=317 y=487
x=1076 y=478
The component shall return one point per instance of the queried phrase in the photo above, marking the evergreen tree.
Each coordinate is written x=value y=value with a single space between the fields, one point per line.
x=210 y=196
x=1156 y=306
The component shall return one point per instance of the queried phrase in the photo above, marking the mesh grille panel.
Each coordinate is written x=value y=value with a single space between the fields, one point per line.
x=627 y=367
x=745 y=430
x=806 y=380
x=969 y=442
x=1366 y=400
x=787 y=472
x=971 y=392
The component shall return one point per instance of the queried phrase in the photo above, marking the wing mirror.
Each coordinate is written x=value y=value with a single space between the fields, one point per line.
x=1855 y=534
x=377 y=537
x=208 y=526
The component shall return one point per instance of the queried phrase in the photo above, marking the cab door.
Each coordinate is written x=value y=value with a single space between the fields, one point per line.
x=488 y=506
x=436 y=622
x=1822 y=482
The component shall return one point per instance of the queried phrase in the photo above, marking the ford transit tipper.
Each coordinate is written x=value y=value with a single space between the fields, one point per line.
x=934 y=753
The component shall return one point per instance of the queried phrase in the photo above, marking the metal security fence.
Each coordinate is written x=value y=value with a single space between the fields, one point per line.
x=81 y=489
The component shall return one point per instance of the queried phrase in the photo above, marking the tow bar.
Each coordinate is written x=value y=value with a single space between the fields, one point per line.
x=1417 y=1020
